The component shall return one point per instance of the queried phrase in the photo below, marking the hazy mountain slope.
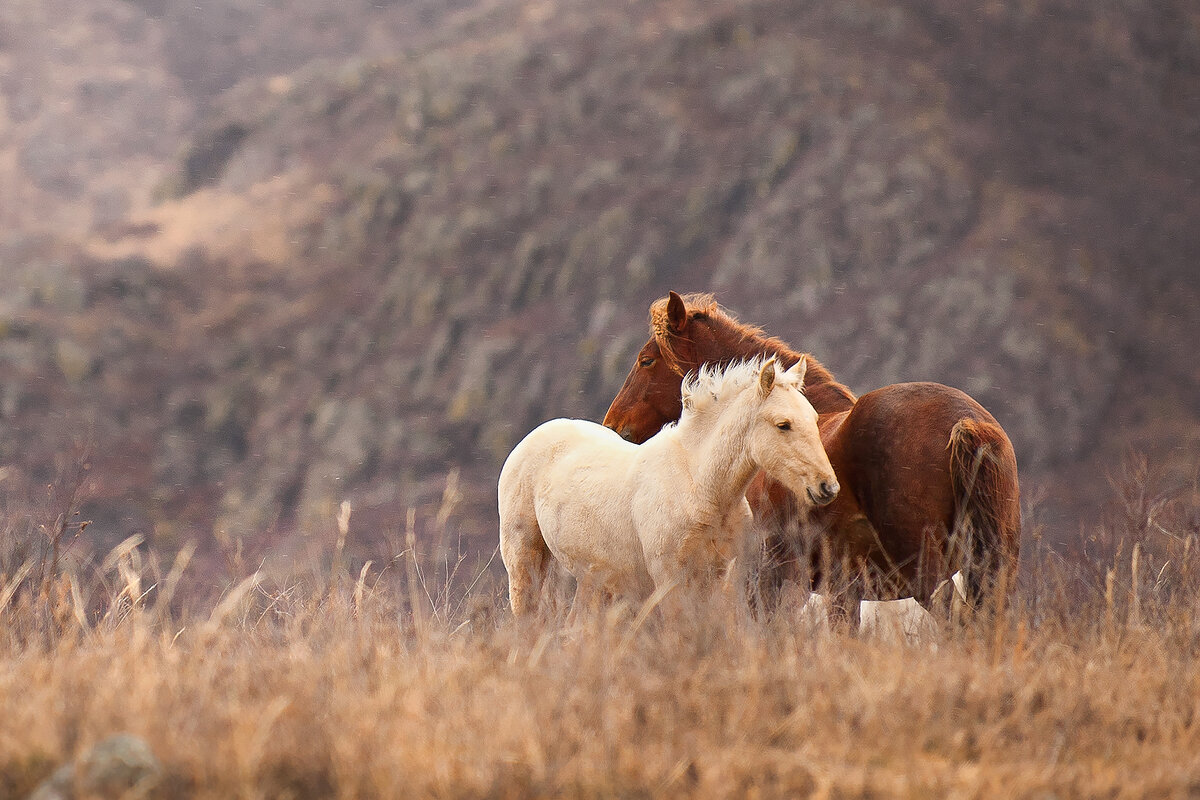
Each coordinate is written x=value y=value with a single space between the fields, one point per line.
x=392 y=249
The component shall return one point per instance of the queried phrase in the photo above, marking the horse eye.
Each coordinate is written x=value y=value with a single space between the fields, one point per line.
x=784 y=426
x=646 y=362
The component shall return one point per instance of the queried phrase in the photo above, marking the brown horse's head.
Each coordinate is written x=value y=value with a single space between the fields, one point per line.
x=686 y=333
x=650 y=396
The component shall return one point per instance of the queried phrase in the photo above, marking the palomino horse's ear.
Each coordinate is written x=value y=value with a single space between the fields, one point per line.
x=799 y=369
x=676 y=312
x=766 y=377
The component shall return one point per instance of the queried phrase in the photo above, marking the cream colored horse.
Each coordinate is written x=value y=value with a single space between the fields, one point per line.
x=625 y=519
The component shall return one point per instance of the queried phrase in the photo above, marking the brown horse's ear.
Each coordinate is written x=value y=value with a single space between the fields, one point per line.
x=766 y=378
x=799 y=369
x=676 y=312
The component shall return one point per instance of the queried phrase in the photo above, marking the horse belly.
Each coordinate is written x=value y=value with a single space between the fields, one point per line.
x=589 y=530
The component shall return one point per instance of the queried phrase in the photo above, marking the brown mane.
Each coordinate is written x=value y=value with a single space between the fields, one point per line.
x=823 y=390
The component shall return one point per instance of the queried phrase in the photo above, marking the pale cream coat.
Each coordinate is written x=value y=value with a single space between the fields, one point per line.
x=625 y=519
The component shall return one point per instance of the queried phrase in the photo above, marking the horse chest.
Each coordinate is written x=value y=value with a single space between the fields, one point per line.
x=711 y=541
x=859 y=534
x=681 y=533
x=847 y=529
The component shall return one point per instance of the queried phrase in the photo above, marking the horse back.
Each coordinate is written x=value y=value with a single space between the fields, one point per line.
x=561 y=446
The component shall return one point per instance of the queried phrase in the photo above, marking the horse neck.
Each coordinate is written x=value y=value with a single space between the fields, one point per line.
x=825 y=393
x=717 y=448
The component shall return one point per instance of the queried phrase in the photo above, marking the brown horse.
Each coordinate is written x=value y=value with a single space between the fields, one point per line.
x=929 y=478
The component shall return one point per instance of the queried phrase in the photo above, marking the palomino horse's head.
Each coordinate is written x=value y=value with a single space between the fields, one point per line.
x=679 y=344
x=784 y=440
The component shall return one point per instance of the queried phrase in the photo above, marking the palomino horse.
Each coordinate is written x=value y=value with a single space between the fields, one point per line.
x=929 y=478
x=626 y=520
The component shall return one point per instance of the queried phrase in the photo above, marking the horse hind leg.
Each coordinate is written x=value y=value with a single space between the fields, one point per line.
x=987 y=528
x=528 y=561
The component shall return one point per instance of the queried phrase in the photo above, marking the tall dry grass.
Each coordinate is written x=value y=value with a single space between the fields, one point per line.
x=361 y=684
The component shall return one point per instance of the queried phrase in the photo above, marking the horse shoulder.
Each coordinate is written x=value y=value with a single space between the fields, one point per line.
x=660 y=491
x=659 y=472
x=681 y=533
x=728 y=537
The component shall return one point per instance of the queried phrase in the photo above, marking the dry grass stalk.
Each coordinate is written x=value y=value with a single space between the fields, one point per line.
x=393 y=690
x=325 y=700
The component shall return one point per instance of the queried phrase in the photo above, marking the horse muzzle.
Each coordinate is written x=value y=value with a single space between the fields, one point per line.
x=824 y=494
x=630 y=433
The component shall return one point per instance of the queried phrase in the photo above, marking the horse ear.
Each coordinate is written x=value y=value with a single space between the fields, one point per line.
x=766 y=377
x=676 y=312
x=799 y=369
x=687 y=398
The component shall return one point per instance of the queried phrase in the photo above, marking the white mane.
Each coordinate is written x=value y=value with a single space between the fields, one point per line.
x=713 y=383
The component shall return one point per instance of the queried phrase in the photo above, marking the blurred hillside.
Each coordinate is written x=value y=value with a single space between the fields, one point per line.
x=267 y=257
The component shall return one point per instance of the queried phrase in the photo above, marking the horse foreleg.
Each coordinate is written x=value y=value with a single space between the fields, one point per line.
x=845 y=607
x=840 y=579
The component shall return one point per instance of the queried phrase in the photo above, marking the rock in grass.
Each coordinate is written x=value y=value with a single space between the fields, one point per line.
x=121 y=766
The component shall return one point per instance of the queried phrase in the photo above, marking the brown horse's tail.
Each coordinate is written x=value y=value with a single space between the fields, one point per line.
x=987 y=528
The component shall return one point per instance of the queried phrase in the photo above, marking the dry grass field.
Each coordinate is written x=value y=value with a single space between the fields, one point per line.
x=363 y=684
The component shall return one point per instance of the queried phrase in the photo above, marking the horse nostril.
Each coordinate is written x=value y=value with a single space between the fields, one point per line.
x=626 y=433
x=823 y=494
